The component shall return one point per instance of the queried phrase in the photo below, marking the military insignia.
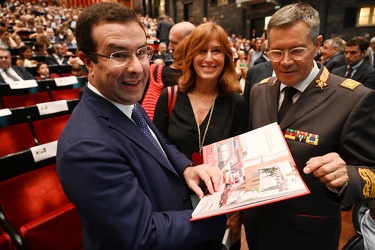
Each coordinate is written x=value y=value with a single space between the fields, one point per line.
x=322 y=81
x=350 y=84
x=296 y=135
x=264 y=80
x=368 y=177
x=274 y=81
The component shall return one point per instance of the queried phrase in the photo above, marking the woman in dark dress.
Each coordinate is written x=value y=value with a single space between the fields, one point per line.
x=208 y=107
x=208 y=95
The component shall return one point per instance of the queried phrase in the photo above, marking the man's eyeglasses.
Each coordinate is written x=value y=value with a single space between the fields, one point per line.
x=123 y=57
x=296 y=53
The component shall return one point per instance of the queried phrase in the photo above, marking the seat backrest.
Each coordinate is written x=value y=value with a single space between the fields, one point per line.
x=34 y=209
x=68 y=92
x=12 y=98
x=49 y=127
x=29 y=196
x=15 y=132
x=60 y=69
x=5 y=241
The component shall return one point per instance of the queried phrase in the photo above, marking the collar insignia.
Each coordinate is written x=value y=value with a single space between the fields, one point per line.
x=322 y=81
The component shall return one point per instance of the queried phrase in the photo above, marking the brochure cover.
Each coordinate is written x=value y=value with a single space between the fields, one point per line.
x=257 y=169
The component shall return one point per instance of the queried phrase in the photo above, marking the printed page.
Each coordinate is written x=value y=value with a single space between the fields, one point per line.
x=257 y=169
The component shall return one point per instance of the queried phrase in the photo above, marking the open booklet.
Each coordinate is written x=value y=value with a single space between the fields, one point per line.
x=257 y=169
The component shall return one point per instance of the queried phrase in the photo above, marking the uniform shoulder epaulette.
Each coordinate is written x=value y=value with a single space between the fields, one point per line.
x=264 y=80
x=350 y=84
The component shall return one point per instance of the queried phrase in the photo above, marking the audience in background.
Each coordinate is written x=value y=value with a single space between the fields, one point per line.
x=332 y=53
x=25 y=57
x=5 y=40
x=356 y=67
x=43 y=70
x=9 y=73
x=370 y=56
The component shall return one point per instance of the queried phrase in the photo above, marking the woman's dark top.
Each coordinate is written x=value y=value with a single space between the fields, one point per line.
x=228 y=120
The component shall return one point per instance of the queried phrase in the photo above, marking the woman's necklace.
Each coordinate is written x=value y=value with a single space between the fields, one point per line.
x=207 y=106
x=200 y=139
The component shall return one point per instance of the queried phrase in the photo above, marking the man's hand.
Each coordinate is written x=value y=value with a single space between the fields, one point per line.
x=329 y=168
x=210 y=175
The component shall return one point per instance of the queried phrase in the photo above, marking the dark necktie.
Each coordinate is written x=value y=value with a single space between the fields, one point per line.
x=10 y=75
x=373 y=59
x=287 y=102
x=141 y=123
x=349 y=74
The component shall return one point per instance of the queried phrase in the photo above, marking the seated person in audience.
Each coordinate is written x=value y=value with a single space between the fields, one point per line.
x=25 y=57
x=70 y=40
x=77 y=70
x=9 y=73
x=39 y=31
x=40 y=49
x=5 y=40
x=162 y=53
x=18 y=40
x=57 y=57
x=43 y=71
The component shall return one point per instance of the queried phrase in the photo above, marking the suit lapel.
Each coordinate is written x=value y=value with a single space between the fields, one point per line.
x=120 y=122
x=128 y=128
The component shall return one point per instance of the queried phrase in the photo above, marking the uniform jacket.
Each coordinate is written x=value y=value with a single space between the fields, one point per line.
x=126 y=192
x=22 y=72
x=343 y=117
x=365 y=74
x=254 y=75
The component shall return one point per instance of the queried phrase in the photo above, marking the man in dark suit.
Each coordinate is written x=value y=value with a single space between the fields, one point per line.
x=356 y=68
x=254 y=75
x=329 y=131
x=130 y=187
x=163 y=29
x=57 y=57
x=11 y=73
x=332 y=53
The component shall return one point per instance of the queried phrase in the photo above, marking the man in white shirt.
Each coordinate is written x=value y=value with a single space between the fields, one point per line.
x=9 y=73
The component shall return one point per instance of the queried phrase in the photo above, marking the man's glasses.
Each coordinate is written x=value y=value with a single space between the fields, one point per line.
x=123 y=57
x=296 y=53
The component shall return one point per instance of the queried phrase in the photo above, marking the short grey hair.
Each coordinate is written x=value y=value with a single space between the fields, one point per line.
x=293 y=13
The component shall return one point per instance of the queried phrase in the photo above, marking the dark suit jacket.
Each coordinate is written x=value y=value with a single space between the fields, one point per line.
x=51 y=60
x=22 y=72
x=365 y=74
x=261 y=59
x=343 y=118
x=335 y=61
x=126 y=192
x=254 y=75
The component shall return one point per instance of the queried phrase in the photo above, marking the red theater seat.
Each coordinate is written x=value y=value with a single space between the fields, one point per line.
x=15 y=132
x=12 y=98
x=5 y=241
x=36 y=206
x=49 y=127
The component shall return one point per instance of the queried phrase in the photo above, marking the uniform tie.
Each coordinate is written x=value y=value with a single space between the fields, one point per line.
x=349 y=74
x=287 y=102
x=141 y=123
x=10 y=75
